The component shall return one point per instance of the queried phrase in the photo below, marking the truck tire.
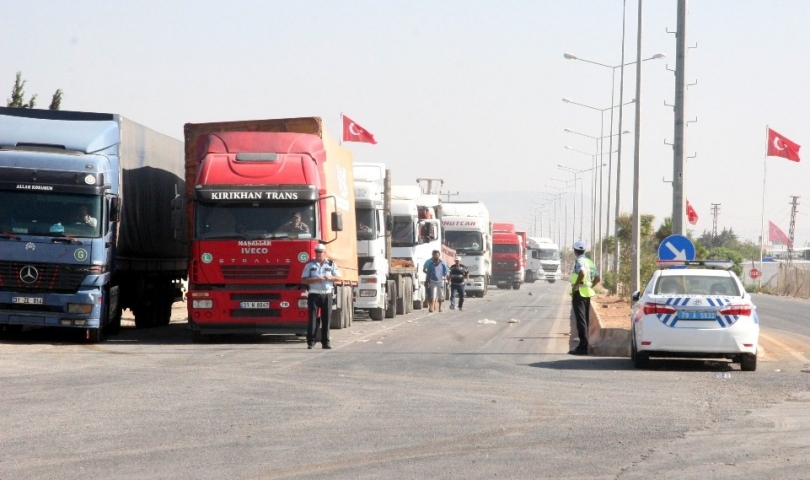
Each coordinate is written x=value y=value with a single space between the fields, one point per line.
x=408 y=295
x=376 y=314
x=417 y=304
x=143 y=316
x=391 y=304
x=530 y=278
x=516 y=286
x=401 y=310
x=349 y=309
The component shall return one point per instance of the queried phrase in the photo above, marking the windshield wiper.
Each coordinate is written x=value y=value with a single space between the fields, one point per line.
x=9 y=236
x=66 y=239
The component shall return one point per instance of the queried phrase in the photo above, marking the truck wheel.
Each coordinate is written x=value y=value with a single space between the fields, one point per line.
x=417 y=304
x=401 y=303
x=376 y=314
x=516 y=286
x=408 y=300
x=391 y=306
x=337 y=318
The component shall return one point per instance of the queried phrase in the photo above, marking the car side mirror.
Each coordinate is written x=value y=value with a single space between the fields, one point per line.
x=636 y=295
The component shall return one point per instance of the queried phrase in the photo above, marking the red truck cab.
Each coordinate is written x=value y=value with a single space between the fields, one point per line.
x=261 y=200
x=508 y=256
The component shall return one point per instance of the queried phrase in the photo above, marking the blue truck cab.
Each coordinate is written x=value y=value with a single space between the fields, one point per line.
x=86 y=221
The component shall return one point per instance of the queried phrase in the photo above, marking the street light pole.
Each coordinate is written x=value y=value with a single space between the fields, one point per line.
x=581 y=201
x=635 y=276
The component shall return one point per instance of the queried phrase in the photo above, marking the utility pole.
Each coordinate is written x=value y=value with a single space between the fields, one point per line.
x=793 y=204
x=715 y=210
x=680 y=122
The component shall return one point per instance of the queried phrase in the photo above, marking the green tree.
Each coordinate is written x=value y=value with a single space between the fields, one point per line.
x=723 y=253
x=17 y=99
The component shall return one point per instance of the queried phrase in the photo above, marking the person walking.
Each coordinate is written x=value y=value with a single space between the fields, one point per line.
x=320 y=275
x=584 y=277
x=437 y=273
x=458 y=276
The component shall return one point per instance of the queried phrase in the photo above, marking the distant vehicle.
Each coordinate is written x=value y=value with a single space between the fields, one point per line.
x=467 y=229
x=695 y=313
x=508 y=256
x=543 y=260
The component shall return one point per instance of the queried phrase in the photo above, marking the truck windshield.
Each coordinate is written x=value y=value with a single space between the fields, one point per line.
x=229 y=220
x=366 y=226
x=505 y=248
x=50 y=214
x=464 y=242
x=548 y=254
x=402 y=233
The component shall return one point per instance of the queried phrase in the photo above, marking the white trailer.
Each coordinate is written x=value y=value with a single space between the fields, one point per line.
x=467 y=229
x=386 y=286
x=543 y=260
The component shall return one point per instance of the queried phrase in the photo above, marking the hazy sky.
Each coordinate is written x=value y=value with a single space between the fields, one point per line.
x=467 y=91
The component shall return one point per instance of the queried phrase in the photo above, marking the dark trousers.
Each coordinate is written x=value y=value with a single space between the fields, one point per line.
x=582 y=309
x=322 y=301
x=457 y=287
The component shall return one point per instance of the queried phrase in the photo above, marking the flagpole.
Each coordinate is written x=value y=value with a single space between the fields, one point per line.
x=762 y=225
x=340 y=142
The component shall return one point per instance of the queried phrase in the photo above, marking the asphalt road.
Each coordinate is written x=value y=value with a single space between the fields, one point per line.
x=449 y=395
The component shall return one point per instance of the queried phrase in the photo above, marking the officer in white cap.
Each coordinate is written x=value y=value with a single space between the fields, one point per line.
x=319 y=275
x=584 y=277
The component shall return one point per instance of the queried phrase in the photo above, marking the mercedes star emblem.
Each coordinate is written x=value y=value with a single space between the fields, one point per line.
x=29 y=274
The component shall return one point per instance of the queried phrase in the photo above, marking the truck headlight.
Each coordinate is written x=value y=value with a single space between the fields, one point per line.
x=84 y=308
x=302 y=303
x=202 y=304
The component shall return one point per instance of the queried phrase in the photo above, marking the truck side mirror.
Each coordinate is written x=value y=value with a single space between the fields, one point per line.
x=115 y=209
x=433 y=233
x=337 y=222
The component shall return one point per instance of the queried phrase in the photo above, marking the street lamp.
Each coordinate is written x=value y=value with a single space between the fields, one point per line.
x=569 y=56
x=594 y=206
x=563 y=212
x=577 y=176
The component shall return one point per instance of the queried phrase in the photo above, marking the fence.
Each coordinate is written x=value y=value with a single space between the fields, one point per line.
x=794 y=280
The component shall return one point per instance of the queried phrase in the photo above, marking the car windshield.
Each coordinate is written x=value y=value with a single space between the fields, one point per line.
x=696 y=285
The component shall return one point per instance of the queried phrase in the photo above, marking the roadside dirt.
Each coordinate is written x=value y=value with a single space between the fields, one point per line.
x=613 y=310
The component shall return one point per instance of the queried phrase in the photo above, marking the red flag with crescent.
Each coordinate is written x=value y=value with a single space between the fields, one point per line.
x=691 y=214
x=352 y=132
x=775 y=234
x=779 y=146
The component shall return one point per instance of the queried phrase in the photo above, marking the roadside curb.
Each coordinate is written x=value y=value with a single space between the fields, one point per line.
x=607 y=342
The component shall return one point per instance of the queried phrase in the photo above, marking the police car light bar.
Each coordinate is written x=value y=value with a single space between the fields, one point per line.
x=713 y=264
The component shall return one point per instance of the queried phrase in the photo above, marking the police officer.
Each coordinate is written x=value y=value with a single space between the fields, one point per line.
x=320 y=275
x=584 y=277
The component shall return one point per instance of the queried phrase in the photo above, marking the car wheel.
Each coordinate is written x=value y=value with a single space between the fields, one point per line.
x=641 y=360
x=748 y=362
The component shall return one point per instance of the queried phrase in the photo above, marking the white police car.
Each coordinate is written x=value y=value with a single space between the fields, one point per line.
x=695 y=313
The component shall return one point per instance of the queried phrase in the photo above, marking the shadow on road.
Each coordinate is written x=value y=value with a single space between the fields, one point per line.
x=615 y=363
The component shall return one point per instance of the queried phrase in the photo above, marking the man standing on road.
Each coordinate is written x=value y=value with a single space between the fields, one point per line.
x=458 y=276
x=584 y=277
x=437 y=272
x=320 y=275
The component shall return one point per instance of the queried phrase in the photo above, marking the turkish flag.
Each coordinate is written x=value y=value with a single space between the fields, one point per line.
x=352 y=132
x=779 y=146
x=775 y=234
x=691 y=214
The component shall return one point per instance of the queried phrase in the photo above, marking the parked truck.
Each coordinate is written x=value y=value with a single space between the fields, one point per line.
x=413 y=236
x=247 y=183
x=386 y=285
x=467 y=229
x=544 y=260
x=508 y=269
x=86 y=222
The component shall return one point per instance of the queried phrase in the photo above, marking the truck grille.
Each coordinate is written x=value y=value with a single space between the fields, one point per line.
x=50 y=277
x=272 y=272
x=549 y=268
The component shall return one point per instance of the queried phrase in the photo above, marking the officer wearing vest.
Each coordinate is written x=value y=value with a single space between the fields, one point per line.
x=584 y=277
x=319 y=276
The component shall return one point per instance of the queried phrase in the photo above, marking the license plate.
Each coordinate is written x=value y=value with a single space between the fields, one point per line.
x=254 y=305
x=27 y=300
x=693 y=315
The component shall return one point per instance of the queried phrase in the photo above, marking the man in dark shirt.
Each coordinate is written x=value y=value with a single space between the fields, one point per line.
x=458 y=276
